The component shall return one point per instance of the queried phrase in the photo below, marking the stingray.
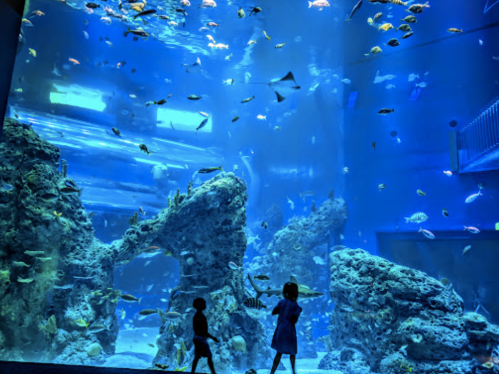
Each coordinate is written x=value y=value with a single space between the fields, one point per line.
x=283 y=87
x=489 y=5
x=195 y=68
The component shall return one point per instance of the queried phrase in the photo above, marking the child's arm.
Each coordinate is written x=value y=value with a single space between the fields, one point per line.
x=212 y=337
x=276 y=310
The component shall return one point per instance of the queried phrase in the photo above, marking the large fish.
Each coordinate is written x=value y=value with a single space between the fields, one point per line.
x=354 y=10
x=304 y=292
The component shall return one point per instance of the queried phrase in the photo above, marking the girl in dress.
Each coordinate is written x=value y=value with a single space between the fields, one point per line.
x=284 y=340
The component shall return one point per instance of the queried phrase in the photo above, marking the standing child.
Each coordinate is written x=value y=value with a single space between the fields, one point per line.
x=200 y=325
x=284 y=340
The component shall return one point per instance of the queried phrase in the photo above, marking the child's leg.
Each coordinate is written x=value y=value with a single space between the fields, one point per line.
x=195 y=364
x=292 y=358
x=210 y=364
x=277 y=359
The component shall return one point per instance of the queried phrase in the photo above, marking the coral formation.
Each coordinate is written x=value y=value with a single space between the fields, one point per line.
x=401 y=319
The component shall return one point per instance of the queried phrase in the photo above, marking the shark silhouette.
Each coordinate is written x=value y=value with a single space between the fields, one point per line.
x=304 y=292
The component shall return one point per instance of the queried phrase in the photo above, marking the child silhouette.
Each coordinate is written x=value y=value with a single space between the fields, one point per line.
x=200 y=325
x=284 y=340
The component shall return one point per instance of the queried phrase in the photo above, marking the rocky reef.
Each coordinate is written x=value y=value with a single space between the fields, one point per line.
x=301 y=249
x=56 y=279
x=396 y=320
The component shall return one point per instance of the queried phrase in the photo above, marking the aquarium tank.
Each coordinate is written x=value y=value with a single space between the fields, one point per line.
x=322 y=174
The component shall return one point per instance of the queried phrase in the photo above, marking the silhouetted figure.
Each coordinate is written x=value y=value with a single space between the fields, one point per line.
x=284 y=340
x=200 y=325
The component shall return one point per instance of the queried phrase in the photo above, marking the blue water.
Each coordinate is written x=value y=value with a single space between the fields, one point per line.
x=325 y=126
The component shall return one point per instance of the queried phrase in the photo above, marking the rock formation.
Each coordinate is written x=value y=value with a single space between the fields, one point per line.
x=399 y=319
x=56 y=279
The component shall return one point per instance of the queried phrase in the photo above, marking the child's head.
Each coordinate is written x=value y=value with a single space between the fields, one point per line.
x=199 y=304
x=290 y=291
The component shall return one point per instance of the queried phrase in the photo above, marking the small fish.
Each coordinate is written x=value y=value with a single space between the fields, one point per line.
x=454 y=30
x=266 y=36
x=277 y=128
x=151 y=345
x=109 y=43
x=409 y=19
x=421 y=85
x=85 y=34
x=355 y=9
x=373 y=145
x=445 y=212
x=24 y=280
x=291 y=203
x=32 y=52
x=346 y=81
x=254 y=303
x=345 y=170
x=227 y=58
x=240 y=13
x=116 y=131
x=194 y=97
x=92 y=5
x=386 y=111
x=130 y=298
x=466 y=249
x=247 y=100
x=252 y=42
x=480 y=41
x=417 y=8
x=393 y=42
x=386 y=26
x=318 y=4
x=19 y=264
x=370 y=21
x=141 y=210
x=416 y=218
x=261 y=277
x=161 y=102
x=235 y=118
x=80 y=322
x=407 y=35
x=123 y=314
x=34 y=253
x=228 y=82
x=481 y=186
x=427 y=233
x=420 y=193
x=374 y=50
x=172 y=315
x=210 y=170
x=27 y=22
x=75 y=62
x=144 y=149
x=265 y=225
x=218 y=45
x=147 y=312
x=404 y=27
x=261 y=118
x=471 y=229
x=279 y=46
x=233 y=266
x=377 y=17
x=473 y=197
x=57 y=215
x=390 y=86
x=381 y=187
x=204 y=114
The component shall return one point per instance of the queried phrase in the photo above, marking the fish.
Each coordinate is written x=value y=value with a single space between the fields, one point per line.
x=34 y=253
x=161 y=102
x=92 y=5
x=355 y=9
x=304 y=292
x=377 y=16
x=420 y=193
x=421 y=85
x=473 y=197
x=96 y=328
x=240 y=13
x=374 y=50
x=398 y=2
x=370 y=21
x=445 y=212
x=279 y=46
x=169 y=315
x=57 y=215
x=44 y=259
x=283 y=87
x=418 y=8
x=261 y=277
x=32 y=52
x=266 y=36
x=409 y=19
x=471 y=229
x=277 y=128
x=448 y=173
x=261 y=117
x=427 y=233
x=202 y=124
x=106 y=20
x=254 y=10
x=218 y=45
x=247 y=100
x=346 y=81
x=109 y=43
x=381 y=78
x=27 y=22
x=20 y=264
x=151 y=345
x=210 y=170
x=233 y=266
x=407 y=35
x=265 y=225
x=235 y=118
x=130 y=298
x=80 y=322
x=318 y=4
x=147 y=312
x=416 y=218
x=466 y=249
x=228 y=82
x=412 y=77
x=381 y=187
x=194 y=97
x=345 y=170
x=145 y=13
x=144 y=149
x=253 y=303
x=291 y=203
x=385 y=27
x=404 y=27
x=116 y=131
x=85 y=34
x=137 y=32
x=393 y=42
x=252 y=42
x=24 y=280
x=481 y=186
x=318 y=260
x=386 y=111
x=68 y=190
x=213 y=24
x=75 y=62
x=123 y=314
x=208 y=4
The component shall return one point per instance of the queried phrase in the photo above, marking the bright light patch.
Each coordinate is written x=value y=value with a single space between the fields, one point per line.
x=181 y=120
x=75 y=95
